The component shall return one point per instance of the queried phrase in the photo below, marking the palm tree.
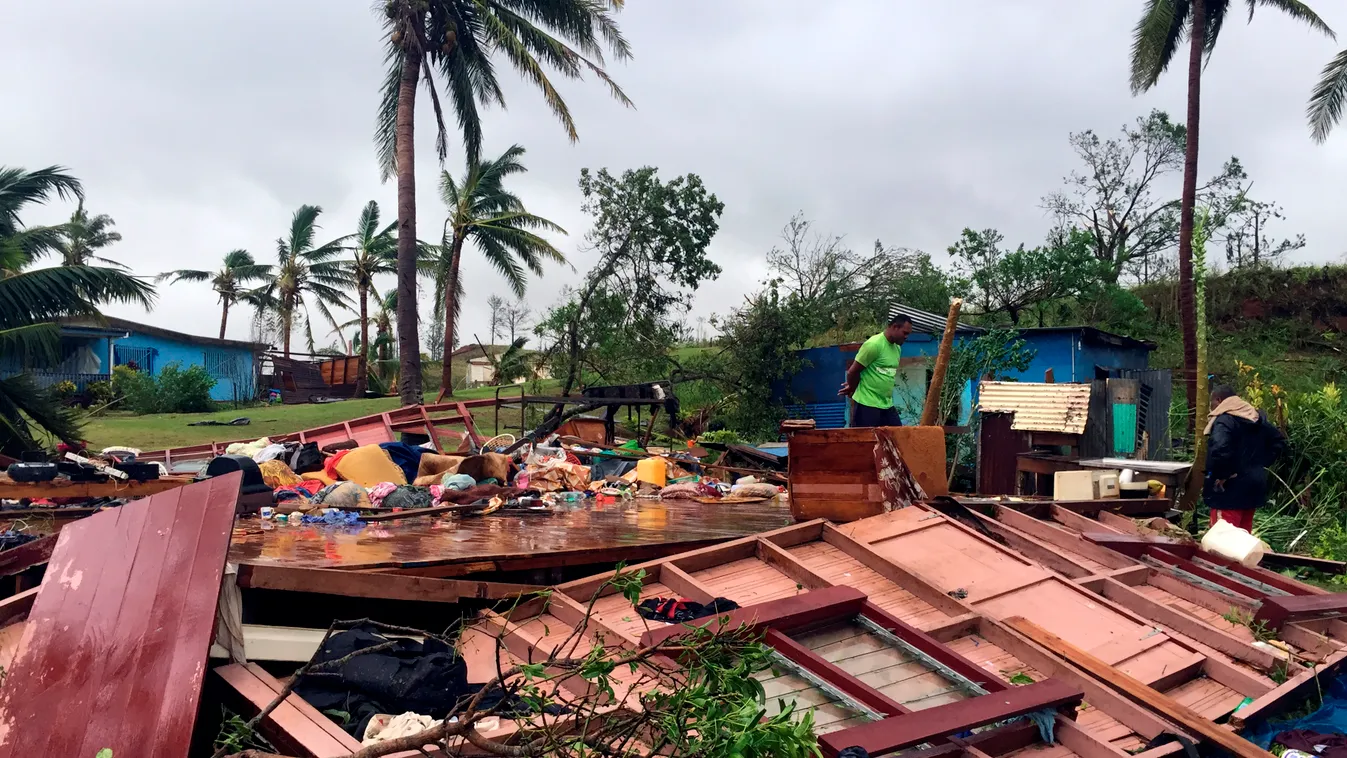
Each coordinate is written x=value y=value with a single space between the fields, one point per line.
x=229 y=282
x=304 y=268
x=1163 y=25
x=457 y=38
x=374 y=252
x=32 y=299
x=1328 y=98
x=85 y=236
x=494 y=219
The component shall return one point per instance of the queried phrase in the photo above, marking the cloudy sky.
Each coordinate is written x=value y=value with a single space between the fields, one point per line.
x=200 y=127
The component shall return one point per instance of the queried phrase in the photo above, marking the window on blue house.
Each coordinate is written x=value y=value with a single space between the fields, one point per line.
x=140 y=358
x=222 y=364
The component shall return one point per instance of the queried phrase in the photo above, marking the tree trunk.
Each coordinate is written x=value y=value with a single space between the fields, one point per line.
x=450 y=323
x=409 y=345
x=286 y=319
x=362 y=364
x=224 y=318
x=1188 y=201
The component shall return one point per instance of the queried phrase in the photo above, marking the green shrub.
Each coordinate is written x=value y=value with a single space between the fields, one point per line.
x=100 y=393
x=64 y=390
x=175 y=390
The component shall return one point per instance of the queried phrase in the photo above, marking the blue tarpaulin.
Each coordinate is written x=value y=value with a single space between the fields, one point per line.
x=1330 y=718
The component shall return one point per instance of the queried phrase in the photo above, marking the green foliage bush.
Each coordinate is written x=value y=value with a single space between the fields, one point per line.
x=175 y=390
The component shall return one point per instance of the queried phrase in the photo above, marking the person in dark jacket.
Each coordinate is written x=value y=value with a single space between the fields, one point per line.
x=1241 y=445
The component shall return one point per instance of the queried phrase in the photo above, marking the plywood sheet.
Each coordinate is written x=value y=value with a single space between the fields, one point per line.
x=120 y=631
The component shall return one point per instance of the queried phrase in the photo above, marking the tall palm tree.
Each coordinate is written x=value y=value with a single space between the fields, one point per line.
x=494 y=219
x=374 y=251
x=457 y=38
x=305 y=268
x=32 y=299
x=1163 y=25
x=1329 y=96
x=84 y=236
x=229 y=283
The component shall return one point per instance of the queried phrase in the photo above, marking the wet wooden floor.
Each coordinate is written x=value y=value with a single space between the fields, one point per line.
x=456 y=545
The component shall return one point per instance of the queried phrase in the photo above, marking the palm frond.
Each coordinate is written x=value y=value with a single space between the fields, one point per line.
x=1296 y=10
x=44 y=294
x=19 y=188
x=1326 y=102
x=28 y=412
x=303 y=227
x=523 y=60
x=386 y=119
x=499 y=256
x=33 y=344
x=1163 y=25
x=184 y=275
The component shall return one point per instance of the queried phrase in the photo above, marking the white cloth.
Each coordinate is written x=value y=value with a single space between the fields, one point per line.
x=269 y=453
x=381 y=728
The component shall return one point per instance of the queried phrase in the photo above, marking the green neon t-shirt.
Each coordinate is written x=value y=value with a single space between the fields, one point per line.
x=880 y=359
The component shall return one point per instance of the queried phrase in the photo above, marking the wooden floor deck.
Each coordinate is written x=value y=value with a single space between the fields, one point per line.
x=458 y=545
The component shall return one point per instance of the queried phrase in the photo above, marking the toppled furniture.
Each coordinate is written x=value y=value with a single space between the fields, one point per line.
x=836 y=473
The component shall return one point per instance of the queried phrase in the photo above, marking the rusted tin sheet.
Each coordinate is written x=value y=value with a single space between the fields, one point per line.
x=1038 y=407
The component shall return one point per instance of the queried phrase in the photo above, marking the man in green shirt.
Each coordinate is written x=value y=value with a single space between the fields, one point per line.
x=871 y=377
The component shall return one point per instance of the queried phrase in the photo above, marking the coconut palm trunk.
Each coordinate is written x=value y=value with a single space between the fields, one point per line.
x=1187 y=201
x=224 y=319
x=409 y=348
x=362 y=363
x=450 y=323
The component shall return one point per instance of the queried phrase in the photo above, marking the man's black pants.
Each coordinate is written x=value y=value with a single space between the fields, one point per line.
x=864 y=415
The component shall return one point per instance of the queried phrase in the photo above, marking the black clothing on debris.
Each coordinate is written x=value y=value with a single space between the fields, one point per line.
x=427 y=678
x=1333 y=745
x=674 y=611
x=1238 y=454
x=853 y=752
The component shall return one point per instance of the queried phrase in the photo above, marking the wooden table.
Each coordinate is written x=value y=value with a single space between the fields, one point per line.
x=62 y=487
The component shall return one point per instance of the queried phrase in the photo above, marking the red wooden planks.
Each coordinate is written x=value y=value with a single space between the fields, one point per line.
x=119 y=632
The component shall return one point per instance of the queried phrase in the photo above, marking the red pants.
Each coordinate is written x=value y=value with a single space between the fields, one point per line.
x=1242 y=519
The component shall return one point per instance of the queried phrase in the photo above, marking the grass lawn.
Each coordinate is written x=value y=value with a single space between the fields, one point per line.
x=161 y=430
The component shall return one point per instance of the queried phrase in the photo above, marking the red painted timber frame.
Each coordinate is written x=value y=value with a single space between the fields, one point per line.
x=1180 y=555
x=775 y=621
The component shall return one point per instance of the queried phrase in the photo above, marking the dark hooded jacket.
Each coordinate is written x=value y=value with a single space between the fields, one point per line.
x=1238 y=454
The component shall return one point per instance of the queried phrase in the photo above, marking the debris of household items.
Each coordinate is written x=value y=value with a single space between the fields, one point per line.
x=681 y=610
x=710 y=491
x=240 y=421
x=70 y=477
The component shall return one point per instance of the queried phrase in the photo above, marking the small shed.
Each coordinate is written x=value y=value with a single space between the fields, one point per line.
x=1073 y=353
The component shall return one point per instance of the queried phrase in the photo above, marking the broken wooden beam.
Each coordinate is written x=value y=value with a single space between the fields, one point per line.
x=1277 y=611
x=1138 y=691
x=378 y=586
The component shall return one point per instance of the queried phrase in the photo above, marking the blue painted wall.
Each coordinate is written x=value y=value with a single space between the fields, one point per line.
x=232 y=367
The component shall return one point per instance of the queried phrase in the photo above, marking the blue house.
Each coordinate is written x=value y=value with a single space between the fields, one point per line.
x=1073 y=353
x=91 y=347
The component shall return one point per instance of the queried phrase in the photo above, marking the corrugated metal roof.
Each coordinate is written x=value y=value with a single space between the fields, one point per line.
x=1038 y=407
x=930 y=323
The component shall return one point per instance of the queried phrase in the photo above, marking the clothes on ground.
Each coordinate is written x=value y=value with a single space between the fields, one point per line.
x=1314 y=743
x=853 y=752
x=457 y=482
x=269 y=453
x=880 y=359
x=408 y=497
x=330 y=465
x=319 y=476
x=407 y=457
x=675 y=611
x=1330 y=718
x=1241 y=446
x=1242 y=518
x=865 y=416
x=248 y=449
x=347 y=495
x=483 y=492
x=277 y=474
x=337 y=447
x=682 y=491
x=378 y=492
x=422 y=677
x=382 y=728
x=604 y=467
x=757 y=489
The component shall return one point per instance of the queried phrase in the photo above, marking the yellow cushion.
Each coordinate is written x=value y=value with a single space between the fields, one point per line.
x=369 y=465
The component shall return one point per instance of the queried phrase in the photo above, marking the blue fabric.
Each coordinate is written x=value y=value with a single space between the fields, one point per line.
x=1331 y=718
x=408 y=457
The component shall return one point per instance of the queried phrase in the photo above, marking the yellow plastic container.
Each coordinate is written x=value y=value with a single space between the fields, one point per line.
x=652 y=470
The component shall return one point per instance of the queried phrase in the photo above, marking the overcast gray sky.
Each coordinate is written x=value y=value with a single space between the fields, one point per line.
x=200 y=127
